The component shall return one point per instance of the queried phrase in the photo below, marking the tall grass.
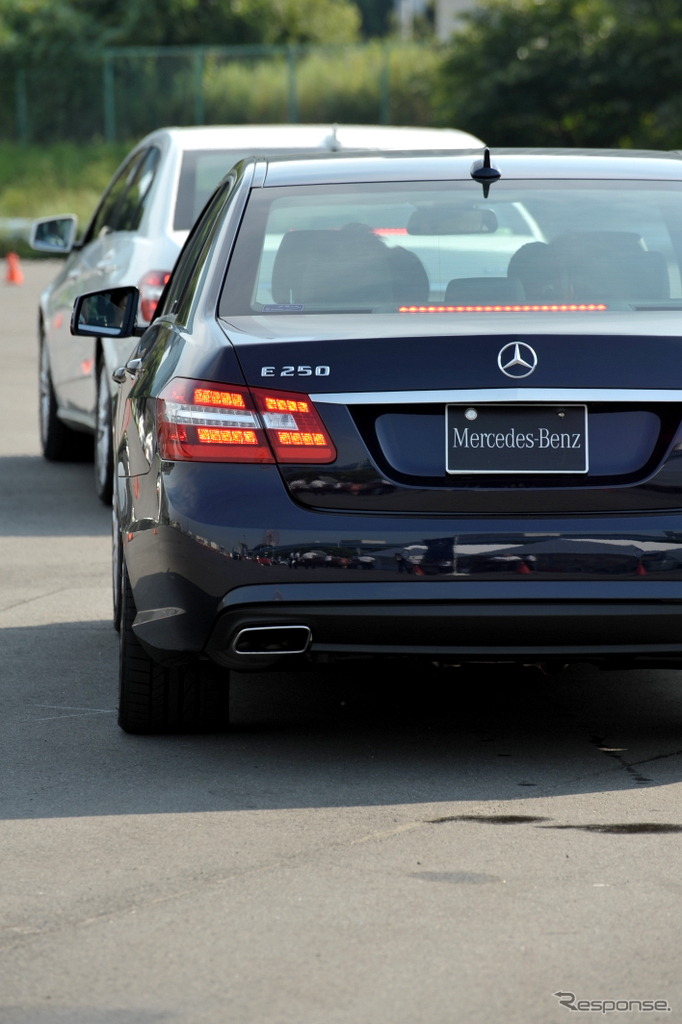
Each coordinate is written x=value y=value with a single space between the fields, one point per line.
x=37 y=181
x=65 y=178
x=362 y=85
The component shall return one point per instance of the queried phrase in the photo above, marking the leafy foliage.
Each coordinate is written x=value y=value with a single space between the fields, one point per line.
x=567 y=72
x=377 y=17
x=27 y=23
x=517 y=72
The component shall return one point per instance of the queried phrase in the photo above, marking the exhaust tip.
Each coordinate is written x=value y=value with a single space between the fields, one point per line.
x=272 y=640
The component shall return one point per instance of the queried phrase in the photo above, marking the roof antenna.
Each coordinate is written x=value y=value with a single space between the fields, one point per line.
x=483 y=172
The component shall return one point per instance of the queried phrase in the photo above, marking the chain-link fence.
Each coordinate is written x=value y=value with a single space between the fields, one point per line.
x=120 y=94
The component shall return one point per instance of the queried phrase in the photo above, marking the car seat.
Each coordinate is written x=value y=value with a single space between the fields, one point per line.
x=536 y=267
x=611 y=265
x=350 y=266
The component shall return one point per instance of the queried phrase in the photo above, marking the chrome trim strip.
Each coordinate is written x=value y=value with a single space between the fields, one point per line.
x=458 y=589
x=528 y=395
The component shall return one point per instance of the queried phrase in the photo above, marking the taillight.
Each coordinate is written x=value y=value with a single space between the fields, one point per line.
x=293 y=427
x=150 y=288
x=202 y=421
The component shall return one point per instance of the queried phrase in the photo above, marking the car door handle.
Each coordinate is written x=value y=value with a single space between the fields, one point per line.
x=132 y=368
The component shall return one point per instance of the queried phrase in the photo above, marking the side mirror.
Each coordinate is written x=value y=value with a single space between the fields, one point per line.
x=54 y=234
x=106 y=314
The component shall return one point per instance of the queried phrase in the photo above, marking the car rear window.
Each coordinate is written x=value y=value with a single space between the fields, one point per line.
x=431 y=246
x=200 y=172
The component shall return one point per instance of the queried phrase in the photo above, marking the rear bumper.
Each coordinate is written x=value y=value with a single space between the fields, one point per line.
x=484 y=622
x=214 y=554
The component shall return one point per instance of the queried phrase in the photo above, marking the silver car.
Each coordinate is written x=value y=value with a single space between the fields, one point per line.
x=134 y=237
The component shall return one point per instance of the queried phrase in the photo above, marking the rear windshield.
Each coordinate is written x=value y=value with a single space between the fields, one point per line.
x=426 y=246
x=200 y=173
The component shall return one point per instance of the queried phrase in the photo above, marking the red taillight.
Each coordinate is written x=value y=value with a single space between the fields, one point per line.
x=150 y=287
x=293 y=427
x=201 y=421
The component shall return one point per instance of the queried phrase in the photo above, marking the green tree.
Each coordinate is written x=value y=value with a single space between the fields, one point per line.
x=221 y=22
x=305 y=21
x=33 y=28
x=567 y=72
x=36 y=38
x=377 y=17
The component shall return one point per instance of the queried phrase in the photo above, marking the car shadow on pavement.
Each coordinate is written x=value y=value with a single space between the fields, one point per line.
x=362 y=734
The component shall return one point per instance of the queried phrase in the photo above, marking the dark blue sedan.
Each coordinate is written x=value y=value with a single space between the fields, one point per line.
x=402 y=405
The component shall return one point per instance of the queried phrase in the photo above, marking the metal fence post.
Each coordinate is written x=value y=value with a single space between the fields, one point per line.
x=293 y=92
x=198 y=61
x=21 y=107
x=109 y=98
x=385 y=87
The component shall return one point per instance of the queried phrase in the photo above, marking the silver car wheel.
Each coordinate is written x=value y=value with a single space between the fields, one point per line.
x=116 y=564
x=103 y=440
x=45 y=395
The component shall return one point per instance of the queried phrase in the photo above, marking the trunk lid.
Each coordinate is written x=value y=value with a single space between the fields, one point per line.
x=436 y=413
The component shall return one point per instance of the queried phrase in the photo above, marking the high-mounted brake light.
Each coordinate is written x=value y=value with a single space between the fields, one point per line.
x=150 y=288
x=202 y=421
x=568 y=307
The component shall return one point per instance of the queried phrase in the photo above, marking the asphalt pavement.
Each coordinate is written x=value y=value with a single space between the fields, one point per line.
x=382 y=846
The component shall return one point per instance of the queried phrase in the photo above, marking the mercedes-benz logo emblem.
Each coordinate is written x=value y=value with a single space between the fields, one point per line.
x=517 y=359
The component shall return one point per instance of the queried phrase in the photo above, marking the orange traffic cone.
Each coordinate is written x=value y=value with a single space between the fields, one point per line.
x=14 y=273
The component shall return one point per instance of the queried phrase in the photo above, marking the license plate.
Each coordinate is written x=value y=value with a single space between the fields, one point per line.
x=516 y=439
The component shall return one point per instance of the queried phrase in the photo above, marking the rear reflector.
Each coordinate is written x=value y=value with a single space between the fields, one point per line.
x=207 y=422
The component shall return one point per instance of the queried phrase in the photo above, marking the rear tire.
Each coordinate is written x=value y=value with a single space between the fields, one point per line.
x=156 y=699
